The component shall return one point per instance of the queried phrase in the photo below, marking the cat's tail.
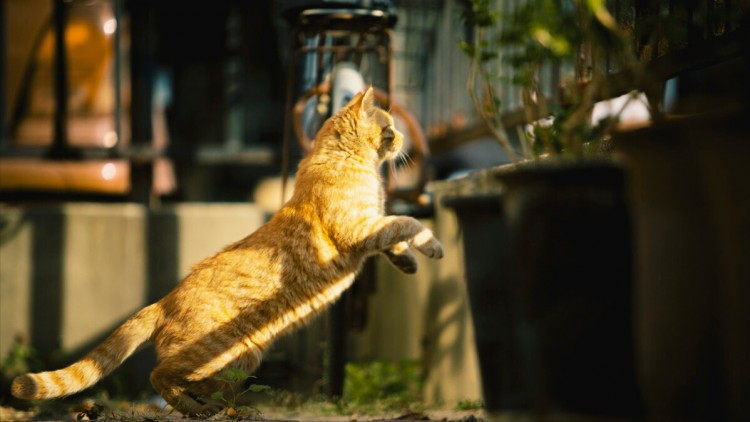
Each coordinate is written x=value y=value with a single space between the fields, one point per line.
x=95 y=365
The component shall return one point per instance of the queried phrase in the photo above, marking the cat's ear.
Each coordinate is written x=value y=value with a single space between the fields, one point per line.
x=367 y=103
x=355 y=101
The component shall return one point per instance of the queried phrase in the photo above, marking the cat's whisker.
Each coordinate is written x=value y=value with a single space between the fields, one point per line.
x=404 y=159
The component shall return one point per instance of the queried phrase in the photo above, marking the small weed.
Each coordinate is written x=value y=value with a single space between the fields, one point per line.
x=233 y=379
x=469 y=405
x=370 y=388
x=390 y=385
x=21 y=358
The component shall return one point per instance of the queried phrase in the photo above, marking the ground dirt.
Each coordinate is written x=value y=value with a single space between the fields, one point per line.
x=152 y=413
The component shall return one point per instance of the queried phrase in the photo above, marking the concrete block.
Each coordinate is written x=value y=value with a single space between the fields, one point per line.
x=397 y=312
x=16 y=243
x=71 y=273
x=450 y=359
x=103 y=269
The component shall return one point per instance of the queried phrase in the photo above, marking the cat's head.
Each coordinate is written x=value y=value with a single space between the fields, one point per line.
x=364 y=128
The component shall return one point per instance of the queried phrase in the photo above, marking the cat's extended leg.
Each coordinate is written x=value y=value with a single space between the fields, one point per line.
x=426 y=242
x=385 y=232
x=401 y=257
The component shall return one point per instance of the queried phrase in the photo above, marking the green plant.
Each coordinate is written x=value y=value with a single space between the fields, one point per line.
x=21 y=358
x=469 y=405
x=389 y=385
x=232 y=379
x=370 y=388
x=577 y=39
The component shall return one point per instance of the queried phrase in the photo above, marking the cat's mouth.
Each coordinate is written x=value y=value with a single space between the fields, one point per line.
x=392 y=142
x=394 y=155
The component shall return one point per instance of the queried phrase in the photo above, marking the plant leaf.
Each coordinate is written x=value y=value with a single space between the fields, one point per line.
x=257 y=388
x=236 y=374
x=466 y=48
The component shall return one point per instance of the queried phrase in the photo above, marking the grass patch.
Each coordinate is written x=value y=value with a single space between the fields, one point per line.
x=393 y=385
x=470 y=405
x=377 y=387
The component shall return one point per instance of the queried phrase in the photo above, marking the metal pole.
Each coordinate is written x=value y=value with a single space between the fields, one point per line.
x=3 y=67
x=60 y=134
x=285 y=147
x=141 y=73
x=118 y=73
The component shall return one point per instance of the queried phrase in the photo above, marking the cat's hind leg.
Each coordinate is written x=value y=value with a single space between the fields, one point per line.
x=191 y=388
x=183 y=395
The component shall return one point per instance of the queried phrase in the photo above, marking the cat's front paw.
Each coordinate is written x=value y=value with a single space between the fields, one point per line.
x=426 y=243
x=406 y=262
x=401 y=257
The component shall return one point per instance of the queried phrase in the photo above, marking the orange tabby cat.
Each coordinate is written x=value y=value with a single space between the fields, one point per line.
x=235 y=303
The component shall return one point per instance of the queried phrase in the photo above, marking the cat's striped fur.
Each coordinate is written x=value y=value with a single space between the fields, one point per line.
x=235 y=303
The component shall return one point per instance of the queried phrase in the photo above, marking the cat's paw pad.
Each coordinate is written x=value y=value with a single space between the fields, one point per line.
x=426 y=243
x=402 y=258
x=406 y=263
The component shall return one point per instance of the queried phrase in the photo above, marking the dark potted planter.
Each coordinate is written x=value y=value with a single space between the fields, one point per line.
x=486 y=257
x=568 y=270
x=691 y=207
x=571 y=291
x=548 y=268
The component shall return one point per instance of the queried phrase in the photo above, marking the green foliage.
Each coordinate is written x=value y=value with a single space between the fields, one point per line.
x=469 y=405
x=21 y=358
x=370 y=388
x=394 y=385
x=534 y=36
x=481 y=14
x=540 y=30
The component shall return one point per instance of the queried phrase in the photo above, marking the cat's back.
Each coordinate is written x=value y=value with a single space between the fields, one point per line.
x=292 y=242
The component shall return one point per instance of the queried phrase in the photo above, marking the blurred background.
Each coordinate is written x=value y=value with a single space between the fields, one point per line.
x=138 y=137
x=196 y=94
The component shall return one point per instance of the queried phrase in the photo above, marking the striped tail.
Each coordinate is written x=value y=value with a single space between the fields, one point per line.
x=95 y=365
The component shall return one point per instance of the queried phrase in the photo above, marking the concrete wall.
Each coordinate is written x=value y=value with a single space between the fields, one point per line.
x=71 y=273
x=426 y=316
x=450 y=352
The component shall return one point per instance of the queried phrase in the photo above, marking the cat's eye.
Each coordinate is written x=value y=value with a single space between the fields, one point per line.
x=389 y=133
